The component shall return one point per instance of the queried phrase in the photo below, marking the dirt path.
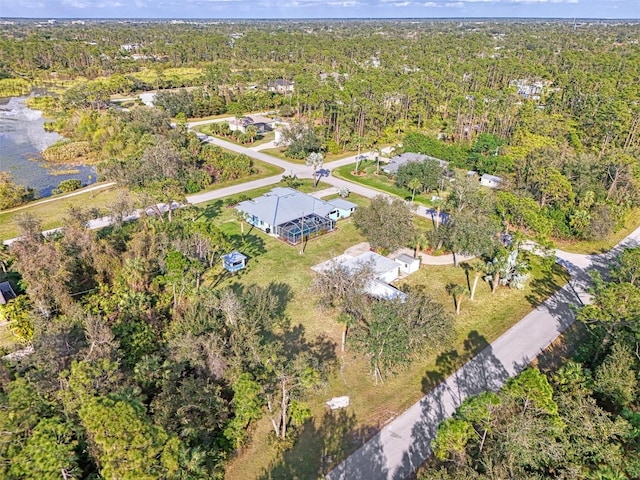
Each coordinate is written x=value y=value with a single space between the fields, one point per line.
x=94 y=187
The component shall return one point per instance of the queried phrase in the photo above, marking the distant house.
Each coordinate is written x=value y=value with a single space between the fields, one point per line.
x=6 y=293
x=396 y=162
x=529 y=89
x=408 y=264
x=280 y=85
x=294 y=216
x=262 y=124
x=490 y=181
x=337 y=77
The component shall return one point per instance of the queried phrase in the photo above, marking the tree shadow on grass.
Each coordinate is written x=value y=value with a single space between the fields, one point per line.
x=319 y=447
x=212 y=210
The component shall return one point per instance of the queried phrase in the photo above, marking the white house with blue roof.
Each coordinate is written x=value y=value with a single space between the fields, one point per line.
x=294 y=216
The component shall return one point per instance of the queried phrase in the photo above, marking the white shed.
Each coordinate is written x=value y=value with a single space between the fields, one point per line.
x=408 y=264
x=490 y=181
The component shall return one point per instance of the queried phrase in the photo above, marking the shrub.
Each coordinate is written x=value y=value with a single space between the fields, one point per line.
x=69 y=185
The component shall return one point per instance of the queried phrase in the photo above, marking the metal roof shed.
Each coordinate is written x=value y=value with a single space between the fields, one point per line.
x=234 y=261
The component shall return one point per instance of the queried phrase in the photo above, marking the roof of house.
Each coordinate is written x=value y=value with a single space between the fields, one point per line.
x=234 y=257
x=342 y=204
x=252 y=120
x=379 y=265
x=399 y=160
x=284 y=204
x=379 y=289
x=491 y=178
x=281 y=82
x=404 y=258
x=6 y=292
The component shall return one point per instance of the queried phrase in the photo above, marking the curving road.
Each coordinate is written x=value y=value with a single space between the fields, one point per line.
x=403 y=445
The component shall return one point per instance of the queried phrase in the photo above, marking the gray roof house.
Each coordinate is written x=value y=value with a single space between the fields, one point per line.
x=292 y=215
x=262 y=124
x=396 y=162
x=280 y=85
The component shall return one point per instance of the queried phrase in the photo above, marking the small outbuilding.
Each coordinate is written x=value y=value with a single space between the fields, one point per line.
x=407 y=263
x=490 y=181
x=234 y=261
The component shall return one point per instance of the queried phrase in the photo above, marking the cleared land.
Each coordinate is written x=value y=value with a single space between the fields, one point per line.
x=53 y=212
x=328 y=438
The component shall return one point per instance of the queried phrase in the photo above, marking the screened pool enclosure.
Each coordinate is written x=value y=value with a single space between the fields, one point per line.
x=304 y=228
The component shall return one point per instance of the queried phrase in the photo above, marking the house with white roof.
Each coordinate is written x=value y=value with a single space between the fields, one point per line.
x=490 y=181
x=384 y=272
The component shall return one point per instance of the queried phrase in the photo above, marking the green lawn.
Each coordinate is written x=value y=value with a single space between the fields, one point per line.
x=479 y=323
x=52 y=213
x=379 y=182
x=329 y=157
x=601 y=246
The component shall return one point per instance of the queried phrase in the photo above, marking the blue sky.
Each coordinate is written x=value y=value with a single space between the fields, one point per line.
x=319 y=8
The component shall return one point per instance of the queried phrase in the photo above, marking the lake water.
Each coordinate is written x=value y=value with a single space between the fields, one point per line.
x=22 y=139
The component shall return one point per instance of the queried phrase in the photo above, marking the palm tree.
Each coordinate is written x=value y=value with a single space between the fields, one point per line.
x=420 y=241
x=457 y=292
x=414 y=184
x=251 y=132
x=478 y=268
x=376 y=154
x=241 y=218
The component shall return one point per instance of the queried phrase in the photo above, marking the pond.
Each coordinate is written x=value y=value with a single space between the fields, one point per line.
x=22 y=139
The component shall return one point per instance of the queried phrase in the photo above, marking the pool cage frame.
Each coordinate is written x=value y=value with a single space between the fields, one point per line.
x=304 y=228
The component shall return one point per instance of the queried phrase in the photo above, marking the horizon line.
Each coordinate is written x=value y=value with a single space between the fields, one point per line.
x=218 y=19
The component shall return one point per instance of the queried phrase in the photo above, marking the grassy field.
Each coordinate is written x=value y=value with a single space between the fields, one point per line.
x=379 y=182
x=604 y=245
x=52 y=212
x=479 y=323
x=330 y=157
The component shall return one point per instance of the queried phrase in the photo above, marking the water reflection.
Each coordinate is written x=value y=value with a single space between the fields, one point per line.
x=22 y=138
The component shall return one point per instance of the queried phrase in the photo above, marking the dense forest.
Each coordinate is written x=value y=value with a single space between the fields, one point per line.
x=143 y=366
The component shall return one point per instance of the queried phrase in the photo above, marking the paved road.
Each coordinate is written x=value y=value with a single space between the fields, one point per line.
x=405 y=443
